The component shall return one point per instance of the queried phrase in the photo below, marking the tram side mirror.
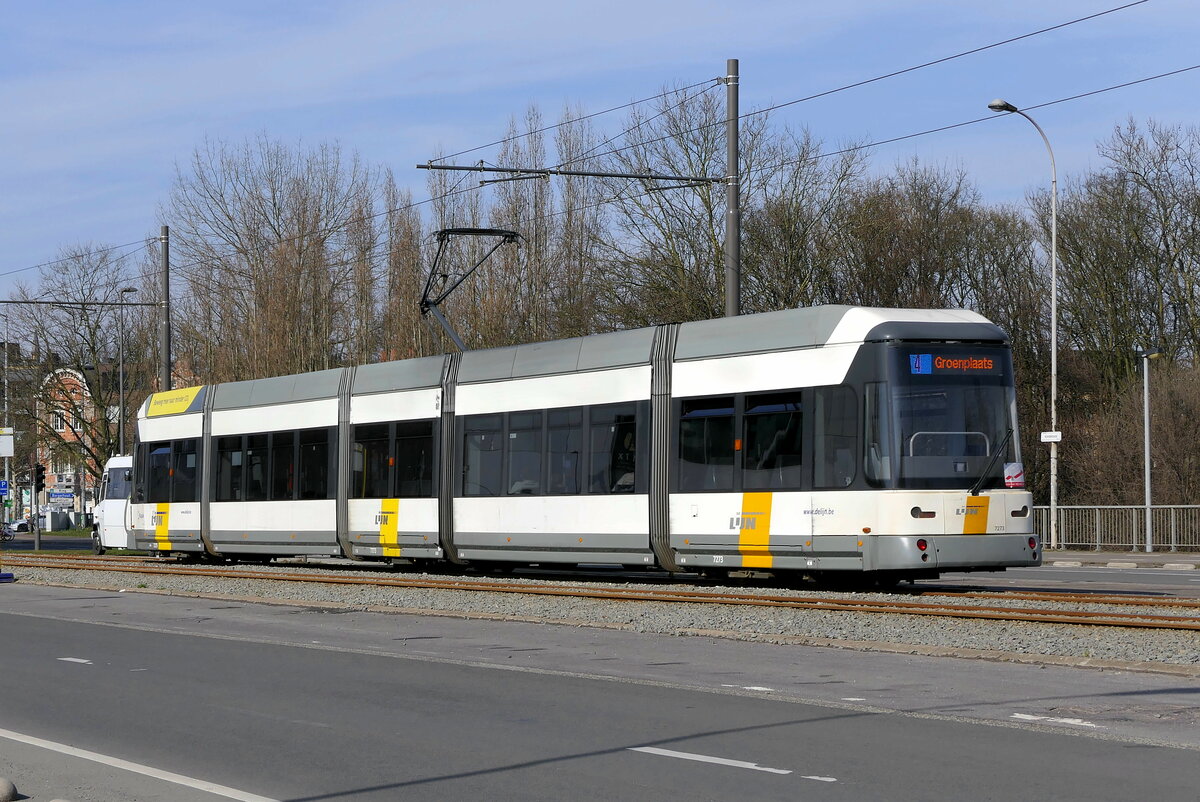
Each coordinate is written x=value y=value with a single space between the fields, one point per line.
x=128 y=476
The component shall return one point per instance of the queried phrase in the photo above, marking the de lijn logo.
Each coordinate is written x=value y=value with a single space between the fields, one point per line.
x=920 y=363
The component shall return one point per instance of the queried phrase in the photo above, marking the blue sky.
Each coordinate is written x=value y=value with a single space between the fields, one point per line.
x=103 y=100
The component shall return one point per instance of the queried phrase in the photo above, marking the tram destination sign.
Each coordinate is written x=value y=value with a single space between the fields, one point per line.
x=953 y=364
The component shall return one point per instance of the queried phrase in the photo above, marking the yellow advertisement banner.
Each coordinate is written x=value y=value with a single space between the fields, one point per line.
x=172 y=402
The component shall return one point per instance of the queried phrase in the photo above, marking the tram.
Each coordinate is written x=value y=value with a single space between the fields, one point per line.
x=826 y=441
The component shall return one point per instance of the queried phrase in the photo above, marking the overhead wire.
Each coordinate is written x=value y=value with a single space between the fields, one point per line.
x=903 y=137
x=571 y=121
x=749 y=114
x=787 y=163
x=757 y=112
x=893 y=74
x=73 y=257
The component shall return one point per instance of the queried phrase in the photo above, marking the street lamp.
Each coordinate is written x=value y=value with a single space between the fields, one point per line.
x=121 y=377
x=1147 y=354
x=1053 y=436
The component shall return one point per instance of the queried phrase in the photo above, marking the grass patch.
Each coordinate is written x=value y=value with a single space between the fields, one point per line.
x=68 y=533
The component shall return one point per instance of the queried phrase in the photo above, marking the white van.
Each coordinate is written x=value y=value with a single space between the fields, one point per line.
x=109 y=527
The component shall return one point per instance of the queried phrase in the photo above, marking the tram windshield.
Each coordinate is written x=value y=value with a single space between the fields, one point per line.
x=945 y=418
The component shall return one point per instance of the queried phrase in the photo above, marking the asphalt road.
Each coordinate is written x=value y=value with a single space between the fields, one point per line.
x=50 y=542
x=1083 y=579
x=291 y=703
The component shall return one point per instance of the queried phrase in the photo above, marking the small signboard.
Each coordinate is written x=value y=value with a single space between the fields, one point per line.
x=1051 y=437
x=61 y=495
x=3 y=487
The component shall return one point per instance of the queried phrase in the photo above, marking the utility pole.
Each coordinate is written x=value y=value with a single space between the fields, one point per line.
x=8 y=512
x=733 y=206
x=35 y=509
x=164 y=332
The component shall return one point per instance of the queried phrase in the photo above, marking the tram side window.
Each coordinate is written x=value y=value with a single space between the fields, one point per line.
x=184 y=470
x=227 y=478
x=283 y=466
x=414 y=459
x=139 y=472
x=370 y=461
x=158 y=469
x=834 y=434
x=564 y=451
x=772 y=441
x=524 y=453
x=706 y=444
x=613 y=448
x=314 y=464
x=482 y=455
x=876 y=434
x=256 y=467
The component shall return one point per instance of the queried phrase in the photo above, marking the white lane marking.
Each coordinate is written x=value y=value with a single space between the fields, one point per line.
x=721 y=761
x=749 y=687
x=818 y=779
x=1075 y=722
x=137 y=768
x=75 y=660
x=854 y=698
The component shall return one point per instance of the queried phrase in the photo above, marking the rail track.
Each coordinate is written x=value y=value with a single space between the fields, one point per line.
x=1016 y=606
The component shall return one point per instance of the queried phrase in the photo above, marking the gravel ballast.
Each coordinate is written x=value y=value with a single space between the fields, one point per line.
x=1174 y=651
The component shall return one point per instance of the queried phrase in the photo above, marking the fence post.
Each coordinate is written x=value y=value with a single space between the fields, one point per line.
x=1174 y=533
x=1097 y=529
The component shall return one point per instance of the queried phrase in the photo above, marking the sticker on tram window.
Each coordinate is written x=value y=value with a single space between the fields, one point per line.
x=1014 y=474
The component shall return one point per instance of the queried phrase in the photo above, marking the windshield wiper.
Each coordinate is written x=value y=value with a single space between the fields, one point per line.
x=991 y=463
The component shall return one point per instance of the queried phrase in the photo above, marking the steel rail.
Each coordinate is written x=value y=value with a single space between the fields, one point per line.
x=1125 y=599
x=1078 y=617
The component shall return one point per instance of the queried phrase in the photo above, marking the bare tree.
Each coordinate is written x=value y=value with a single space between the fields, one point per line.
x=276 y=248
x=64 y=395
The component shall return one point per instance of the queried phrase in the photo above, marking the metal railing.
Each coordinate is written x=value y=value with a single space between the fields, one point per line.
x=1122 y=528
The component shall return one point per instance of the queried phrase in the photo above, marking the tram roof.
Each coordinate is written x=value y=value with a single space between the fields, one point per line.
x=278 y=389
x=807 y=327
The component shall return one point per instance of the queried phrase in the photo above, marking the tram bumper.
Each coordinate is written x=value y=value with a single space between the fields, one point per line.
x=952 y=552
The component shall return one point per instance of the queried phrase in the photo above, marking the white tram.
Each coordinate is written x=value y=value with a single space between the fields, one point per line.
x=819 y=440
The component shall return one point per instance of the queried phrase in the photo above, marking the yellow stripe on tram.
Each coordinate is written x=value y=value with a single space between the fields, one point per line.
x=755 y=537
x=389 y=521
x=976 y=515
x=162 y=530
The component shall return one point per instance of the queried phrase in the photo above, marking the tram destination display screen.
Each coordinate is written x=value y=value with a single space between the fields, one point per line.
x=946 y=418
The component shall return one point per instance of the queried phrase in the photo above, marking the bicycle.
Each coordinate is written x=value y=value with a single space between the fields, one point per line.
x=7 y=532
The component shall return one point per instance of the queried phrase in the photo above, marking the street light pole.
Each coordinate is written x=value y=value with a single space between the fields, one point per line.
x=1053 y=436
x=1147 y=354
x=121 y=377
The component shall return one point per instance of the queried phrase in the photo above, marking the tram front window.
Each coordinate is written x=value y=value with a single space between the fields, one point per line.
x=948 y=419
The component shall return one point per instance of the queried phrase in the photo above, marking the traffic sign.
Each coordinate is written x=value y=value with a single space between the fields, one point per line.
x=3 y=487
x=61 y=494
